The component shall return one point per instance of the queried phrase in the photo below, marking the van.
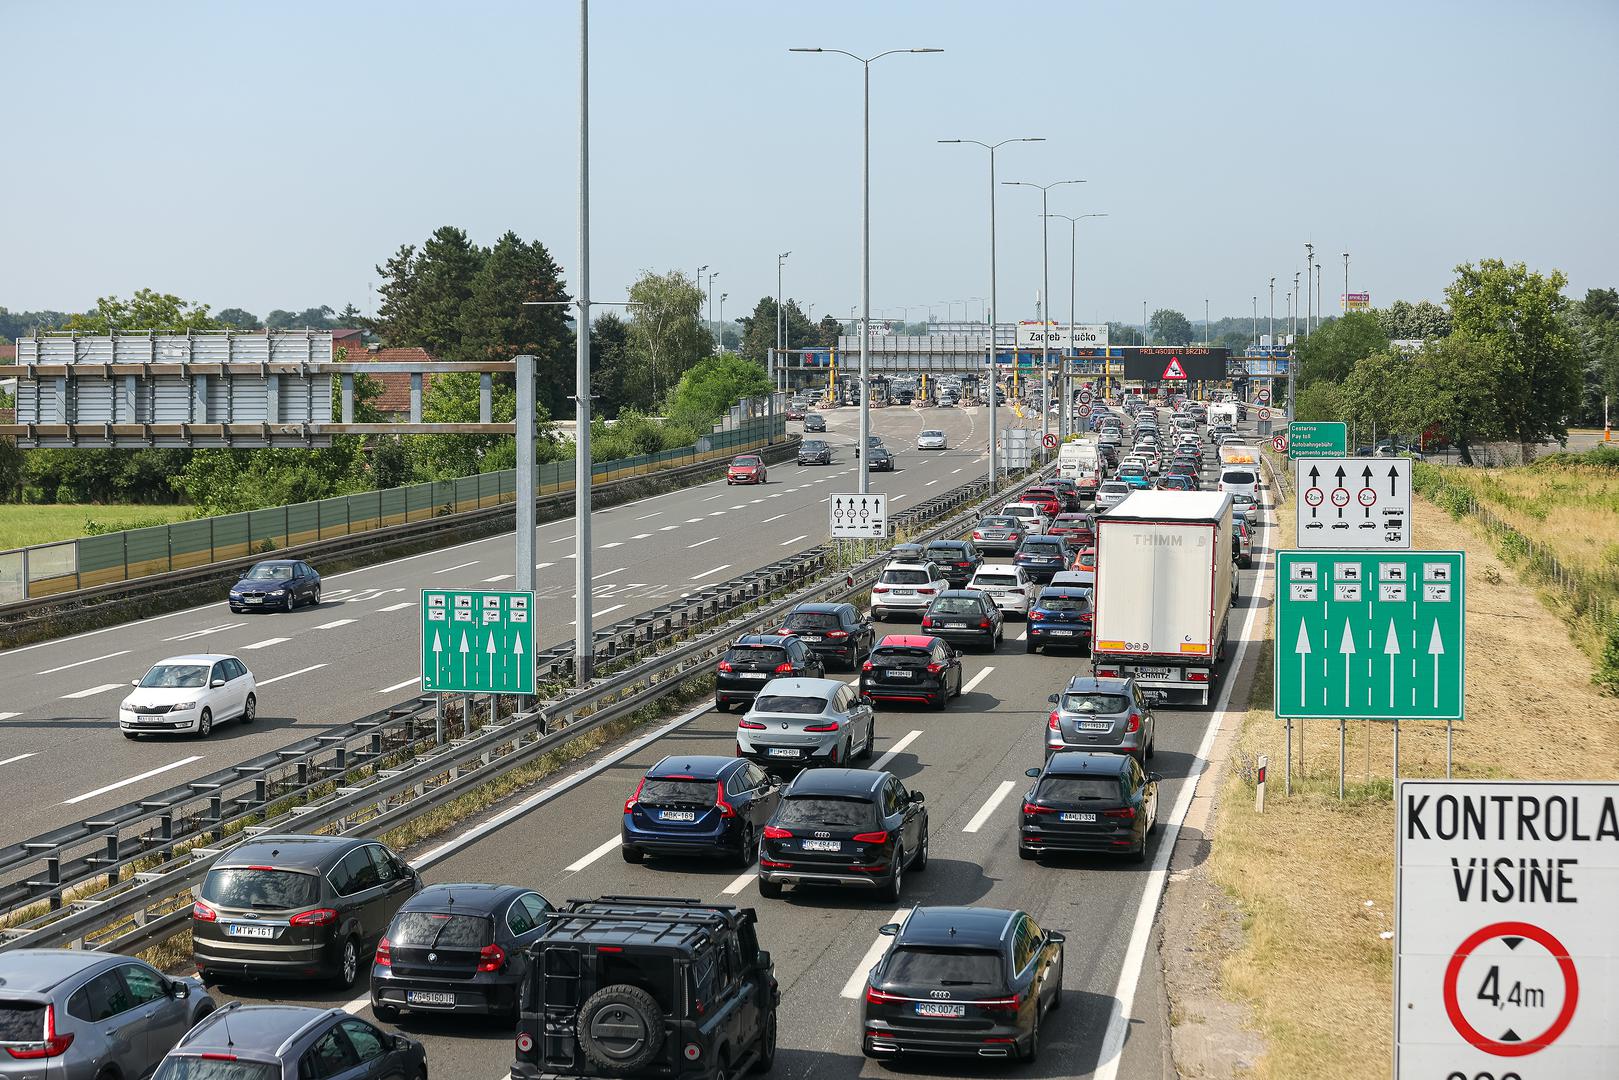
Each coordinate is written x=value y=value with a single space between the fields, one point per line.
x=1240 y=480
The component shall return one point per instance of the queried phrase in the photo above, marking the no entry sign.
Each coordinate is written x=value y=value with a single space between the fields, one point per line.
x=1507 y=948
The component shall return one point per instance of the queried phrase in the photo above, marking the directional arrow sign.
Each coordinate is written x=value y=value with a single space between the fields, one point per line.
x=1381 y=487
x=1374 y=635
x=486 y=625
x=858 y=516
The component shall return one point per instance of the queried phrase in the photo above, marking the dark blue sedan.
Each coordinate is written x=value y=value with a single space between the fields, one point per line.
x=1060 y=616
x=699 y=805
x=276 y=585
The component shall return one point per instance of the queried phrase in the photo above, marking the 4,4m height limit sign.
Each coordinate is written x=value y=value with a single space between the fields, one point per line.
x=1506 y=946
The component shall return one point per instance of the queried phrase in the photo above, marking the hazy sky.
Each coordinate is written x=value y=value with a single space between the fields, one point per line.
x=267 y=155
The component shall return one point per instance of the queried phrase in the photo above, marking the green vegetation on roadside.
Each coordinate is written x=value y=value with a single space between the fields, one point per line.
x=24 y=525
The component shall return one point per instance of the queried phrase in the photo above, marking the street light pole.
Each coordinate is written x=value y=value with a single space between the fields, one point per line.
x=720 y=325
x=865 y=249
x=711 y=327
x=1320 y=312
x=1346 y=283
x=1272 y=313
x=1207 y=333
x=1045 y=301
x=584 y=638
x=989 y=315
x=1309 y=256
x=1256 y=322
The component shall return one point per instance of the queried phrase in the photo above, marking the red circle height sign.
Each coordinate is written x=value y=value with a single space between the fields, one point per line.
x=1571 y=989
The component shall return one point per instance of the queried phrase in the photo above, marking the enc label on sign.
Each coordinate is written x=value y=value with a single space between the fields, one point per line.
x=1506 y=949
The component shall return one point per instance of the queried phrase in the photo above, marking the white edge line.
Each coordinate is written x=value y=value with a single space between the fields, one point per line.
x=401 y=685
x=18 y=757
x=595 y=853
x=81 y=663
x=972 y=683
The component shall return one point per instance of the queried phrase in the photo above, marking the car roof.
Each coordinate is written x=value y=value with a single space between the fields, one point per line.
x=1083 y=762
x=907 y=641
x=822 y=609
x=276 y=562
x=662 y=922
x=958 y=926
x=762 y=639
x=896 y=564
x=1065 y=591
x=253 y=1028
x=1081 y=684
x=195 y=658
x=292 y=850
x=959 y=594
x=836 y=782
x=806 y=687
x=472 y=897
x=36 y=971
x=695 y=766
x=958 y=544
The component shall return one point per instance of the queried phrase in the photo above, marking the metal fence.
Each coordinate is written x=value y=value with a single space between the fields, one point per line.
x=51 y=569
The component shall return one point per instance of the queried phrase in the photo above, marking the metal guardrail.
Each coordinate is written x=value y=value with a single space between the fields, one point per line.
x=380 y=771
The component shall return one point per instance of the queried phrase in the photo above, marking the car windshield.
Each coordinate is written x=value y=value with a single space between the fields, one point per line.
x=956 y=605
x=270 y=572
x=187 y=1066
x=667 y=790
x=1094 y=702
x=915 y=965
x=771 y=655
x=248 y=887
x=1021 y=511
x=932 y=434
x=746 y=462
x=900 y=652
x=905 y=577
x=1114 y=488
x=436 y=929
x=812 y=620
x=176 y=677
x=1069 y=789
x=1042 y=546
x=21 y=1021
x=1061 y=602
x=811 y=444
x=944 y=552
x=1130 y=468
x=826 y=812
x=794 y=704
x=999 y=523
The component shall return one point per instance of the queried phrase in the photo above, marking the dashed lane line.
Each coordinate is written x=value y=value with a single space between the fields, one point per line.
x=81 y=663
x=147 y=775
x=972 y=683
x=991 y=804
x=700 y=543
x=457 y=566
x=93 y=691
x=266 y=643
x=291 y=674
x=894 y=750
x=334 y=624
x=857 y=982
x=596 y=853
x=400 y=685
x=710 y=573
x=794 y=540
x=398 y=607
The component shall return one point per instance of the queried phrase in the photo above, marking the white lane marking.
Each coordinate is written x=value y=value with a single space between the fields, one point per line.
x=991 y=804
x=897 y=498
x=636 y=585
x=614 y=544
x=266 y=643
x=94 y=690
x=742 y=880
x=606 y=573
x=641 y=536
x=398 y=607
x=710 y=573
x=605 y=611
x=291 y=674
x=1024 y=636
x=649 y=517
x=669 y=528
x=457 y=566
x=1135 y=953
x=561 y=539
x=147 y=775
x=543 y=565
x=930 y=483
x=400 y=685
x=721 y=495
x=585 y=860
x=972 y=683
x=717 y=513
x=80 y=663
x=877 y=766
x=334 y=624
x=954 y=471
x=18 y=757
x=694 y=521
x=856 y=985
x=794 y=540
x=189 y=634
x=767 y=521
x=497 y=577
x=700 y=543
x=8 y=715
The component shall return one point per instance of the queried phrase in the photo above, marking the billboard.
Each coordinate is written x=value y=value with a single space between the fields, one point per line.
x=1175 y=365
x=1355 y=301
x=1061 y=335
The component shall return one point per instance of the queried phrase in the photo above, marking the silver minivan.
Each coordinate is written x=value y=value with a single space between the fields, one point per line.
x=794 y=723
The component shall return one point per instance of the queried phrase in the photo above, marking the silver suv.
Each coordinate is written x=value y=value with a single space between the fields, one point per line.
x=1102 y=716
x=908 y=587
x=78 y=1015
x=800 y=722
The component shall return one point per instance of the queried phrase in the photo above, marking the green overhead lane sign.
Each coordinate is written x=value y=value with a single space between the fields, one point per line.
x=477 y=642
x=1372 y=635
x=1317 y=439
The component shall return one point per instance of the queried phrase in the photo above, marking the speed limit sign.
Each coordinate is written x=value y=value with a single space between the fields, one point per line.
x=1085 y=396
x=1264 y=414
x=1083 y=411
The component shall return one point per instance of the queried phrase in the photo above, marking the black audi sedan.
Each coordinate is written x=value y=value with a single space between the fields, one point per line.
x=965 y=615
x=912 y=667
x=832 y=631
x=881 y=459
x=699 y=804
x=852 y=827
x=457 y=948
x=963 y=980
x=755 y=659
x=1089 y=802
x=276 y=585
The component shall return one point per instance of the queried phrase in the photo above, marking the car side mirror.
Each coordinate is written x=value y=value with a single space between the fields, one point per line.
x=1155 y=777
x=865 y=699
x=889 y=929
x=1052 y=698
x=134 y=682
x=1034 y=772
x=916 y=797
x=217 y=683
x=761 y=960
x=402 y=1044
x=179 y=991
x=1056 y=937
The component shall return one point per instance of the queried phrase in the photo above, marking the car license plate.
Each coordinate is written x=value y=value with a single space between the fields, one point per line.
x=253 y=600
x=904 y=592
x=1060 y=633
x=428 y=997
x=1095 y=725
x=823 y=845
x=781 y=751
x=955 y=626
x=939 y=1008
x=249 y=930
x=755 y=675
x=677 y=815
x=1151 y=673
x=809 y=637
x=1076 y=817
x=901 y=673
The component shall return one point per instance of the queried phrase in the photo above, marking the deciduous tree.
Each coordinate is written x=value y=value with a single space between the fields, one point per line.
x=666 y=330
x=1170 y=327
x=1331 y=352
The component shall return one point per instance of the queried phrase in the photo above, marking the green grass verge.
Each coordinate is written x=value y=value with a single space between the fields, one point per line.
x=23 y=525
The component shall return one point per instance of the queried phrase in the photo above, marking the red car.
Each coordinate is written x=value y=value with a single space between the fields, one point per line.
x=1085 y=560
x=1077 y=529
x=747 y=469
x=1045 y=498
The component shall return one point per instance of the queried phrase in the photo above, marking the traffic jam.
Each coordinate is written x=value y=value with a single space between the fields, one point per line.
x=1126 y=601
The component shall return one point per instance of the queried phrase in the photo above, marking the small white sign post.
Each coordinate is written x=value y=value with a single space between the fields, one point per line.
x=857 y=517
x=1353 y=502
x=1506 y=935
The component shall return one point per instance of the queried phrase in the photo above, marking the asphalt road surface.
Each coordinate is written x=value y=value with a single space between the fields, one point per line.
x=62 y=758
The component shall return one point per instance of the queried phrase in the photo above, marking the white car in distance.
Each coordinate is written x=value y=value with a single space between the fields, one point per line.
x=1111 y=493
x=189 y=694
x=932 y=439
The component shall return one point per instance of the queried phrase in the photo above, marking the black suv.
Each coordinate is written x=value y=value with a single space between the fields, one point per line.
x=959 y=560
x=814 y=452
x=755 y=659
x=297 y=906
x=833 y=631
x=647 y=987
x=852 y=827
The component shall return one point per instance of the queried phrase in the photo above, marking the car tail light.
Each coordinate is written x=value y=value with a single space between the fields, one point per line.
x=322 y=916
x=927 y=590
x=1134 y=723
x=964 y=565
x=725 y=808
x=983 y=624
x=866 y=666
x=384 y=954
x=1036 y=808
x=201 y=912
x=217 y=1057
x=525 y=1043
x=1086 y=616
x=1006 y=1004
x=875 y=996
x=880 y=837
x=725 y=665
x=691 y=1051
x=629 y=803
x=822 y=727
x=1055 y=723
x=750 y=725
x=837 y=633
x=783 y=669
x=1037 y=616
x=776 y=832
x=491 y=958
x=52 y=1045
x=927 y=620
x=1128 y=813
x=878 y=589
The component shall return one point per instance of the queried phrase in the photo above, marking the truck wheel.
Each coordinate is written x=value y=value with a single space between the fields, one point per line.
x=620 y=1028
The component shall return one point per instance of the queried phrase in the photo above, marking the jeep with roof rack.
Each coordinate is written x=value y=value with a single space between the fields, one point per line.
x=653 y=987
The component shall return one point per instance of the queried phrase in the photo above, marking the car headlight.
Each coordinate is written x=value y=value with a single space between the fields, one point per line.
x=183 y=706
x=125 y=705
x=277 y=592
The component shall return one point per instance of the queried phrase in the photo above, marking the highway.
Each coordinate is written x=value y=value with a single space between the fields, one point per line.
x=357 y=651
x=969 y=761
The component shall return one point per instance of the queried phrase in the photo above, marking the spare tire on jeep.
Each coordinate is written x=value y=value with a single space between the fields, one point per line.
x=620 y=1028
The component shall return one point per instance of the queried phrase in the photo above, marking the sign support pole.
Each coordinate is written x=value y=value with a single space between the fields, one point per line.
x=1449 y=729
x=1287 y=772
x=525 y=474
x=1342 y=725
x=1396 y=752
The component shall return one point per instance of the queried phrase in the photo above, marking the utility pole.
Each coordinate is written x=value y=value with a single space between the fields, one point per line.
x=1309 y=310
x=1208 y=333
x=1256 y=321
x=1273 y=313
x=584 y=638
x=711 y=327
x=1346 y=283
x=1320 y=312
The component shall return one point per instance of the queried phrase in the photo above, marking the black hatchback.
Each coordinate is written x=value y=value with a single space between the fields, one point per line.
x=699 y=804
x=844 y=827
x=755 y=659
x=965 y=615
x=963 y=980
x=832 y=631
x=1042 y=557
x=1089 y=802
x=457 y=948
x=959 y=560
x=912 y=667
